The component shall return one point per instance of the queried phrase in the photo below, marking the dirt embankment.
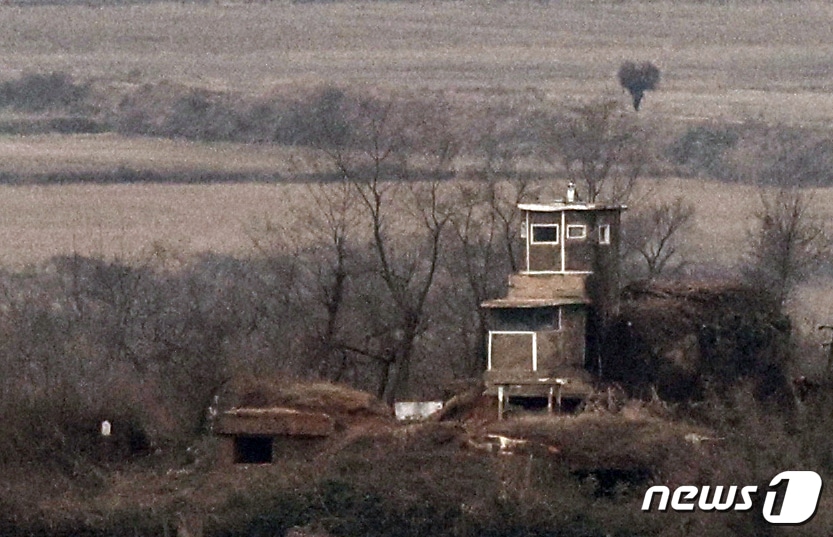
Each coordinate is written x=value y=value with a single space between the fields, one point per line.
x=688 y=339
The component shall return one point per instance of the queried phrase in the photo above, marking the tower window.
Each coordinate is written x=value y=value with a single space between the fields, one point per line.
x=576 y=231
x=604 y=234
x=527 y=319
x=544 y=234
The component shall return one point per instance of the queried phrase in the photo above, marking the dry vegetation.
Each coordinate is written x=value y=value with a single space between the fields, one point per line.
x=132 y=290
x=131 y=222
x=28 y=155
x=729 y=62
x=127 y=220
x=732 y=60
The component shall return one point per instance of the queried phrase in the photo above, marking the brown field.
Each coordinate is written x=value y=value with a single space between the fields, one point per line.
x=126 y=220
x=129 y=221
x=54 y=153
x=732 y=62
x=735 y=60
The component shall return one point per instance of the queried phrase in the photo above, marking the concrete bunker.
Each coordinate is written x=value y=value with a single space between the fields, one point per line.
x=261 y=435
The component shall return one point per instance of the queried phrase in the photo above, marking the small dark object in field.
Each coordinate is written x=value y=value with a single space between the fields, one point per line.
x=638 y=78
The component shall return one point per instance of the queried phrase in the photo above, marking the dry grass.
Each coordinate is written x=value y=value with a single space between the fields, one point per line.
x=44 y=154
x=126 y=219
x=130 y=221
x=734 y=60
x=335 y=399
x=642 y=441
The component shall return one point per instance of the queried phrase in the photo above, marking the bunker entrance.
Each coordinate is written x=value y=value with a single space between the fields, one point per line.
x=569 y=405
x=253 y=449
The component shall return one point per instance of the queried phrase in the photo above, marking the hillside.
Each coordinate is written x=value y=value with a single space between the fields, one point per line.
x=579 y=474
x=559 y=475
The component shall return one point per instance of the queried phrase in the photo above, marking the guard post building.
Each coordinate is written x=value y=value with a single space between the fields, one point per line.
x=539 y=333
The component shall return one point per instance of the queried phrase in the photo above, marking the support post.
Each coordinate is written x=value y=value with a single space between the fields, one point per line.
x=500 y=402
x=549 y=401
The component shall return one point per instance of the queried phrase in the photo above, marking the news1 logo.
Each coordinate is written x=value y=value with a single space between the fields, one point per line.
x=797 y=494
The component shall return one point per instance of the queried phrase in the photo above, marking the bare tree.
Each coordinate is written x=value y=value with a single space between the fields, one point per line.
x=502 y=197
x=638 y=78
x=478 y=258
x=500 y=146
x=790 y=242
x=603 y=151
x=326 y=261
x=389 y=182
x=653 y=234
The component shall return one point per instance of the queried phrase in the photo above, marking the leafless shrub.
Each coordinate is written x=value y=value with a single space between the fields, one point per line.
x=653 y=234
x=602 y=150
x=37 y=92
x=790 y=243
x=780 y=156
x=313 y=119
x=87 y=337
x=703 y=150
x=203 y=115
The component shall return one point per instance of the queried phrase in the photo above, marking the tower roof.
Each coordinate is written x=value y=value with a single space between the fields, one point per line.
x=560 y=205
x=524 y=302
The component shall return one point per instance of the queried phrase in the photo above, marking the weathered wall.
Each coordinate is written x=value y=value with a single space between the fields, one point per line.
x=564 y=347
x=579 y=252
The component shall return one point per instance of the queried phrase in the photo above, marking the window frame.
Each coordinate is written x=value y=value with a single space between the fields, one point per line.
x=534 y=346
x=582 y=227
x=604 y=234
x=538 y=319
x=557 y=228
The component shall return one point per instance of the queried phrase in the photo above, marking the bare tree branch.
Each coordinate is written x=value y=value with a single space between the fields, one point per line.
x=654 y=233
x=601 y=149
x=790 y=243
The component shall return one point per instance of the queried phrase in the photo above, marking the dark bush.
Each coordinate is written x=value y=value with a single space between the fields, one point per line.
x=202 y=115
x=63 y=432
x=319 y=120
x=701 y=150
x=63 y=125
x=797 y=159
x=39 y=92
x=638 y=78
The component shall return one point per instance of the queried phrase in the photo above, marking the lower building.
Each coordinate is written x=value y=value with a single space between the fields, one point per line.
x=260 y=435
x=537 y=340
